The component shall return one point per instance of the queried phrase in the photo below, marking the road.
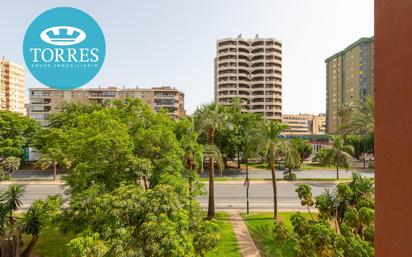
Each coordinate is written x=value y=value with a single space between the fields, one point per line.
x=227 y=173
x=305 y=174
x=227 y=196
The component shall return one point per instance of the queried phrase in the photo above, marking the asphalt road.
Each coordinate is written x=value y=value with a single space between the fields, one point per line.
x=227 y=196
x=228 y=173
x=305 y=174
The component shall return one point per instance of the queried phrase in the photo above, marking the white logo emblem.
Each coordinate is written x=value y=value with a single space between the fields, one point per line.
x=63 y=35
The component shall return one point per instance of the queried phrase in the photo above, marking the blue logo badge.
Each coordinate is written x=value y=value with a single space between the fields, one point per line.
x=64 y=48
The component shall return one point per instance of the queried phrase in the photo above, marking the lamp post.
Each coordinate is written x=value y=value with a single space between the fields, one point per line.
x=247 y=185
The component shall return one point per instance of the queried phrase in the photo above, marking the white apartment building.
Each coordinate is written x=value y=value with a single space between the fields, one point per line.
x=250 y=69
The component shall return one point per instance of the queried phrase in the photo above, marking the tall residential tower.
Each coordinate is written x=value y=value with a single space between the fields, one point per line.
x=250 y=69
x=11 y=86
x=349 y=78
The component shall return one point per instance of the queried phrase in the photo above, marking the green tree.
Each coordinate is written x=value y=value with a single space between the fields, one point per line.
x=360 y=118
x=303 y=147
x=52 y=143
x=231 y=140
x=16 y=132
x=305 y=195
x=353 y=234
x=194 y=152
x=339 y=155
x=208 y=118
x=67 y=117
x=111 y=150
x=267 y=136
x=9 y=164
x=100 y=150
x=131 y=221
x=292 y=160
x=87 y=246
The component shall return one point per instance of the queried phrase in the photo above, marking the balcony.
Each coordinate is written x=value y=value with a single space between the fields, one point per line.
x=258 y=43
x=255 y=86
x=243 y=64
x=227 y=58
x=227 y=43
x=227 y=71
x=258 y=50
x=227 y=86
x=243 y=85
x=257 y=71
x=243 y=71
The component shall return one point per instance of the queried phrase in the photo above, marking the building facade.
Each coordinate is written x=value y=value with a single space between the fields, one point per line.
x=46 y=101
x=250 y=69
x=11 y=86
x=304 y=124
x=349 y=78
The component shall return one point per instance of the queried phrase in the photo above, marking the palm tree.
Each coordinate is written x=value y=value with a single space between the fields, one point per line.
x=31 y=225
x=292 y=159
x=339 y=154
x=10 y=202
x=358 y=118
x=208 y=118
x=188 y=138
x=267 y=135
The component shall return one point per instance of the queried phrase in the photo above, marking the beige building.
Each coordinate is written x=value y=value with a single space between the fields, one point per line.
x=250 y=69
x=349 y=78
x=304 y=124
x=45 y=101
x=11 y=86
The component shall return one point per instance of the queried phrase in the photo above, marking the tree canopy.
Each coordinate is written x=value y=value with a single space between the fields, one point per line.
x=16 y=131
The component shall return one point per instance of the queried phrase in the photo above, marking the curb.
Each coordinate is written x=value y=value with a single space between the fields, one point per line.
x=32 y=182
x=295 y=182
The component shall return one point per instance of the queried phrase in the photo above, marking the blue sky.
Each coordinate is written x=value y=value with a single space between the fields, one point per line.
x=173 y=42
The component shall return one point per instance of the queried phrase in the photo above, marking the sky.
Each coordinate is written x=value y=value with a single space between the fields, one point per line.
x=173 y=42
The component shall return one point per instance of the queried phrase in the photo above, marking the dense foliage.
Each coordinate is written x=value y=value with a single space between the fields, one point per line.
x=16 y=131
x=344 y=226
x=131 y=184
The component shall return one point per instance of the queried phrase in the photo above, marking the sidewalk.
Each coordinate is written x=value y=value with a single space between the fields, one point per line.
x=228 y=182
x=32 y=182
x=246 y=245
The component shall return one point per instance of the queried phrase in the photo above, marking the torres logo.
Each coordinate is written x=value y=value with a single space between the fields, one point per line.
x=63 y=35
x=64 y=48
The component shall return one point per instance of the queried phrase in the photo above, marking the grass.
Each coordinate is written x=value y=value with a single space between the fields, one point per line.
x=260 y=228
x=309 y=166
x=227 y=246
x=52 y=243
x=263 y=165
